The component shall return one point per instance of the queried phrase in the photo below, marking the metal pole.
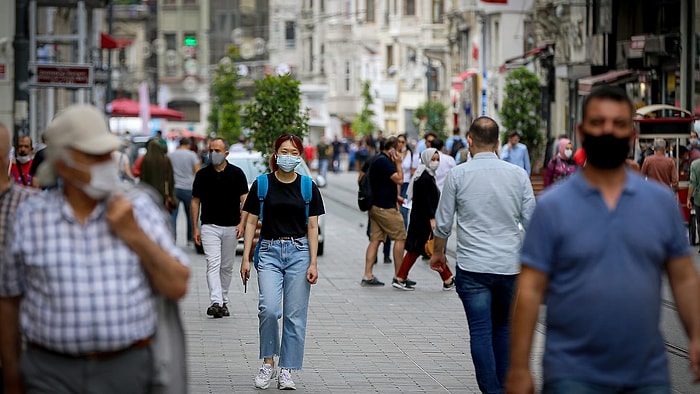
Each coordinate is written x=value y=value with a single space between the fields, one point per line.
x=32 y=60
x=21 y=47
x=687 y=53
x=110 y=31
x=82 y=39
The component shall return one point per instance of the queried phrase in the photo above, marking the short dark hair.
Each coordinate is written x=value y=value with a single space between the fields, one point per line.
x=388 y=143
x=437 y=144
x=484 y=132
x=513 y=133
x=223 y=141
x=607 y=92
x=186 y=141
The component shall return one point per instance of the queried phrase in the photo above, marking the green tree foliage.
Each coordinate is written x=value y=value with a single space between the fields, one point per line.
x=363 y=124
x=519 y=110
x=275 y=110
x=225 y=116
x=433 y=113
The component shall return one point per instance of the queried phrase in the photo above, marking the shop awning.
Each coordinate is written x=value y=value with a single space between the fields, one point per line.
x=613 y=77
x=109 y=42
x=526 y=58
x=130 y=109
x=458 y=80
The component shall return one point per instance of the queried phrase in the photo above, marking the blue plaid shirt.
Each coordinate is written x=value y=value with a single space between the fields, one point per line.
x=9 y=201
x=83 y=290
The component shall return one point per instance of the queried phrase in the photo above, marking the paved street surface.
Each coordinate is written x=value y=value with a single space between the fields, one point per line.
x=358 y=339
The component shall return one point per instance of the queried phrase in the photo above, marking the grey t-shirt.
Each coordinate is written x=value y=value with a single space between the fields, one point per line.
x=183 y=161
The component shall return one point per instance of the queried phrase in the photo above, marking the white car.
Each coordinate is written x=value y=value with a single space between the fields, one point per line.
x=252 y=164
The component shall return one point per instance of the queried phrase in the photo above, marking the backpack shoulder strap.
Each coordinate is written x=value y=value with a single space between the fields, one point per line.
x=262 y=192
x=306 y=194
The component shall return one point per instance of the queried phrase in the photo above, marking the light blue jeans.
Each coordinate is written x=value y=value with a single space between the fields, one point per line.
x=283 y=292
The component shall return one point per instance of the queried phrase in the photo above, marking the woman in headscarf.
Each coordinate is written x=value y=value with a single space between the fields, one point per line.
x=424 y=193
x=157 y=172
x=562 y=165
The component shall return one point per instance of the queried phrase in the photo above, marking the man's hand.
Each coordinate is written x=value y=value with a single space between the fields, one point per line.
x=432 y=224
x=239 y=230
x=245 y=271
x=519 y=381
x=197 y=235
x=120 y=217
x=312 y=274
x=688 y=204
x=438 y=262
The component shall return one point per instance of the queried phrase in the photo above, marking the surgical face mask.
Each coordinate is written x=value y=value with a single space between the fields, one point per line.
x=217 y=158
x=288 y=163
x=104 y=178
x=23 y=159
x=693 y=141
x=568 y=153
x=433 y=165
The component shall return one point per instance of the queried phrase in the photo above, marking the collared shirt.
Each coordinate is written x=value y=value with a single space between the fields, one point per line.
x=492 y=200
x=9 y=201
x=605 y=269
x=517 y=155
x=83 y=289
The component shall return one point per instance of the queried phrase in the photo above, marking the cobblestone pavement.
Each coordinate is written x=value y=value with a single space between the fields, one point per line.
x=358 y=339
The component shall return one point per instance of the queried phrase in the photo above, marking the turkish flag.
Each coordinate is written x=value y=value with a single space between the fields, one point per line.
x=495 y=1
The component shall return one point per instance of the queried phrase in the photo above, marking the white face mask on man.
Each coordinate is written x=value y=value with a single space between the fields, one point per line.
x=104 y=177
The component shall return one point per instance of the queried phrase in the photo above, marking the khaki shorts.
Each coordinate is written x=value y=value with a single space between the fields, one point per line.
x=386 y=221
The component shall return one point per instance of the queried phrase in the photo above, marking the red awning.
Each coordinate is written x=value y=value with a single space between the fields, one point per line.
x=458 y=81
x=109 y=42
x=525 y=58
x=495 y=1
x=130 y=109
x=585 y=85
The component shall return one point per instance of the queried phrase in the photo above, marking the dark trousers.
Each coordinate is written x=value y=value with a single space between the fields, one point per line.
x=185 y=197
x=47 y=372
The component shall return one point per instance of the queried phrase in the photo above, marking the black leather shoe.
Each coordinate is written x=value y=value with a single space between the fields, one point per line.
x=214 y=310
x=224 y=310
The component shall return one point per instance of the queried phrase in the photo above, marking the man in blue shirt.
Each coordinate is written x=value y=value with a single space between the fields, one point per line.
x=492 y=200
x=516 y=153
x=597 y=265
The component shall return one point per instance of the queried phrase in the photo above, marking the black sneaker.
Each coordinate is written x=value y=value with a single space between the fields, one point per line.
x=371 y=282
x=387 y=260
x=224 y=310
x=410 y=282
x=448 y=286
x=214 y=310
x=402 y=285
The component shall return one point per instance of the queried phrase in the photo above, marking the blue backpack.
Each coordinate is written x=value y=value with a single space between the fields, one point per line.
x=306 y=193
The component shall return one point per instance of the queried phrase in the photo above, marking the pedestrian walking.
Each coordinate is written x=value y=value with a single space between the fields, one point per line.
x=562 y=165
x=493 y=200
x=601 y=270
x=659 y=167
x=157 y=172
x=515 y=152
x=286 y=265
x=425 y=194
x=322 y=153
x=219 y=189
x=386 y=177
x=11 y=195
x=85 y=264
x=23 y=161
x=185 y=165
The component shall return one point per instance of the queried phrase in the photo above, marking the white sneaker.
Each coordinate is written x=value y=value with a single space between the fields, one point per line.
x=285 y=381
x=266 y=374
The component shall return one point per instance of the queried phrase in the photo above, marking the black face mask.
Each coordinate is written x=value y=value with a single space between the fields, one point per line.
x=605 y=151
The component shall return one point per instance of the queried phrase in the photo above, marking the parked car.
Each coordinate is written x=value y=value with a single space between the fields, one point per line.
x=253 y=164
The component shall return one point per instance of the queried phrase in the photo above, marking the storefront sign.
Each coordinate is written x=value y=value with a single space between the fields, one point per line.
x=63 y=75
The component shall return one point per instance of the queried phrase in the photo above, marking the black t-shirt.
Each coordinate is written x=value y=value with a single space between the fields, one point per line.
x=384 y=192
x=284 y=213
x=220 y=194
x=38 y=159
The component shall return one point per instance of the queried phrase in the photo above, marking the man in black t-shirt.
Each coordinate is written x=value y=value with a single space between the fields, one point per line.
x=386 y=177
x=215 y=189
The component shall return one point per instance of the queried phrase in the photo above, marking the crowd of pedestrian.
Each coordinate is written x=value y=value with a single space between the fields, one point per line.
x=88 y=263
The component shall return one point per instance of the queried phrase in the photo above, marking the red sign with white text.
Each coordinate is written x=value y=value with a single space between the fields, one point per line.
x=62 y=75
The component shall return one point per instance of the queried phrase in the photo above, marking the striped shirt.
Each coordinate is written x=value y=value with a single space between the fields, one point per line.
x=83 y=290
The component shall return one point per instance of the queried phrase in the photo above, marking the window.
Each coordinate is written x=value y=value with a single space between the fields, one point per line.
x=438 y=11
x=322 y=5
x=311 y=54
x=389 y=56
x=189 y=107
x=170 y=41
x=409 y=7
x=289 y=34
x=321 y=66
x=347 y=76
x=189 y=2
x=369 y=4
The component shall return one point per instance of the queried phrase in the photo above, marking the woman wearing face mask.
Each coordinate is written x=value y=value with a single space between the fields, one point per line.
x=424 y=194
x=562 y=165
x=157 y=172
x=287 y=261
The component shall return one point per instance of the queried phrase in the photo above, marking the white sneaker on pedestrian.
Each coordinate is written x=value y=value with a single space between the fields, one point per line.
x=266 y=374
x=285 y=381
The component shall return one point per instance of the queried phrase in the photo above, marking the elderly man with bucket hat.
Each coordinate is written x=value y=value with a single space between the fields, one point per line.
x=81 y=269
